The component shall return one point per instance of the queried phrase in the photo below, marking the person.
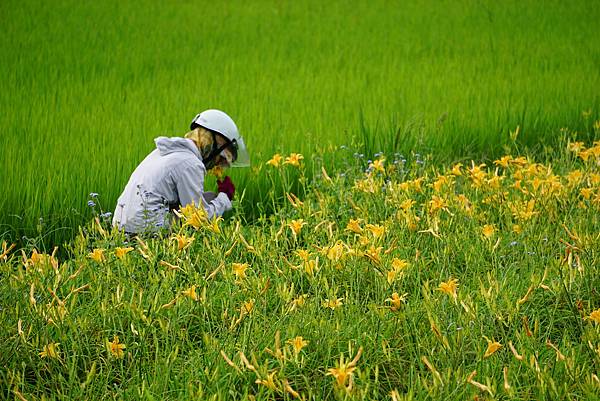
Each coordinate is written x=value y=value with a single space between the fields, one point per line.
x=172 y=175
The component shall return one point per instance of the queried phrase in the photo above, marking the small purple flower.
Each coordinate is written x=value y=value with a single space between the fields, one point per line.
x=91 y=203
x=93 y=195
x=106 y=215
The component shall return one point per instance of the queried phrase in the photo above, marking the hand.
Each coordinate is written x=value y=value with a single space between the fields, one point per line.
x=226 y=186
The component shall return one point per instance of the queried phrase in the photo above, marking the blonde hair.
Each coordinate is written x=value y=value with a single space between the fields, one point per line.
x=201 y=137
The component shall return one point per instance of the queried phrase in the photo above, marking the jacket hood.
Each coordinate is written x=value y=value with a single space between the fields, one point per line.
x=176 y=144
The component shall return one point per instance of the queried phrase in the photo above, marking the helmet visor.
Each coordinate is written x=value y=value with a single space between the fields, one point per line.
x=242 y=159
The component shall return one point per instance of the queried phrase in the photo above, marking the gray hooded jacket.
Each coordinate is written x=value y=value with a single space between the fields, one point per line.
x=170 y=176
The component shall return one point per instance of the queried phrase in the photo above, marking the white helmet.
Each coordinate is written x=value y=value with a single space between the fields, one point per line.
x=220 y=122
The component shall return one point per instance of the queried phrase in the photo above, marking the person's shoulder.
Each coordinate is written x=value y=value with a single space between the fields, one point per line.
x=184 y=164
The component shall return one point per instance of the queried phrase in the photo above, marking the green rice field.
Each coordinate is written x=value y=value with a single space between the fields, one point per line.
x=420 y=220
x=87 y=86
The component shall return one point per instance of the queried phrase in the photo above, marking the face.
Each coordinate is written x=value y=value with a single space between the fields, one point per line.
x=225 y=158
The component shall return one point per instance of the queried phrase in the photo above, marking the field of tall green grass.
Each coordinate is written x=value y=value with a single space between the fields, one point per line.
x=437 y=241
x=86 y=86
x=392 y=280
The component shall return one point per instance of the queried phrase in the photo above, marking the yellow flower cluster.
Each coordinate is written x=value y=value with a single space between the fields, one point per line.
x=294 y=159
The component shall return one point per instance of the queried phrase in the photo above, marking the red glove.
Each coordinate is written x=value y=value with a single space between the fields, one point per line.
x=226 y=186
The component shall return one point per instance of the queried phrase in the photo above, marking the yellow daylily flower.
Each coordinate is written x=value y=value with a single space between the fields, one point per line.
x=183 y=241
x=122 y=252
x=344 y=371
x=335 y=252
x=391 y=276
x=586 y=193
x=239 y=269
x=311 y=265
x=399 y=264
x=354 y=226
x=377 y=230
x=188 y=210
x=303 y=254
x=247 y=307
x=116 y=348
x=50 y=351
x=298 y=302
x=407 y=204
x=333 y=303
x=436 y=204
x=595 y=316
x=374 y=253
x=191 y=293
x=294 y=159
x=194 y=216
x=269 y=382
x=297 y=344
x=396 y=301
x=275 y=160
x=574 y=177
x=296 y=226
x=456 y=169
x=488 y=230
x=377 y=165
x=504 y=161
x=575 y=147
x=97 y=255
x=449 y=287
x=492 y=347
x=214 y=225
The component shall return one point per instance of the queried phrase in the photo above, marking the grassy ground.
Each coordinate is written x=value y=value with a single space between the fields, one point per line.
x=399 y=279
x=87 y=86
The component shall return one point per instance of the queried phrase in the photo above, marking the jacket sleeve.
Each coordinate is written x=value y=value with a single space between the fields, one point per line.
x=190 y=188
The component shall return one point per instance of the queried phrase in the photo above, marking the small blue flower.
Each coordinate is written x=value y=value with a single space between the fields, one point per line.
x=106 y=215
x=91 y=203
x=93 y=195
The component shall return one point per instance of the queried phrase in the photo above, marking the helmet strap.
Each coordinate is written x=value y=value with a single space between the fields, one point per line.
x=209 y=161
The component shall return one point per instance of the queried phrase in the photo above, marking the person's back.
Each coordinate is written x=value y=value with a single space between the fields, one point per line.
x=152 y=190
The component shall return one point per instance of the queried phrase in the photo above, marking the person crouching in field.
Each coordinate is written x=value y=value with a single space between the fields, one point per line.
x=172 y=175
